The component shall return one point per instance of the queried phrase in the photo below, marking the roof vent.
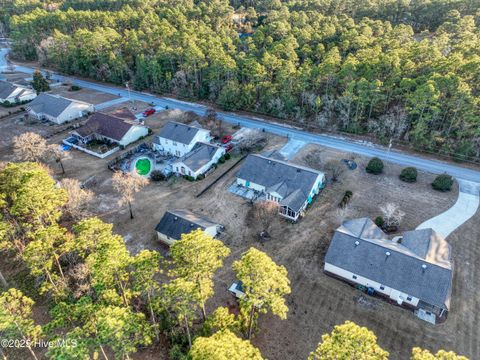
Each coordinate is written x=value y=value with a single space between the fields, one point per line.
x=175 y=218
x=191 y=225
x=388 y=253
x=424 y=267
x=357 y=243
x=298 y=170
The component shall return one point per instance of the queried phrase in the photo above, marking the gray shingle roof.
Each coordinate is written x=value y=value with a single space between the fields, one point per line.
x=401 y=270
x=52 y=105
x=6 y=89
x=200 y=155
x=292 y=182
x=105 y=125
x=174 y=223
x=178 y=132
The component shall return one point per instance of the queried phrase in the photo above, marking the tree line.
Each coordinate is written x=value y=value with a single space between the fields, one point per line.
x=405 y=71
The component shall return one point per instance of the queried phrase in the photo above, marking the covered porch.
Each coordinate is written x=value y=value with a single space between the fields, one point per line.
x=288 y=213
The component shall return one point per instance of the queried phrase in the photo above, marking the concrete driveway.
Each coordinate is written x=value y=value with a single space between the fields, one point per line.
x=465 y=207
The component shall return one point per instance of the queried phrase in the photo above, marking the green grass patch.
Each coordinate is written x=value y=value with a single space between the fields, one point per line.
x=143 y=166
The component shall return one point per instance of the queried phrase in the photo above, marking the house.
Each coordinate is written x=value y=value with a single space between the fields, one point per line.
x=292 y=186
x=14 y=93
x=179 y=139
x=174 y=223
x=100 y=126
x=57 y=109
x=198 y=161
x=414 y=270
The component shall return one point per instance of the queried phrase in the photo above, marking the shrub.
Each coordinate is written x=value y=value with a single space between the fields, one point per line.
x=157 y=175
x=201 y=177
x=227 y=156
x=346 y=198
x=409 y=174
x=75 y=88
x=189 y=178
x=375 y=166
x=379 y=221
x=222 y=159
x=443 y=182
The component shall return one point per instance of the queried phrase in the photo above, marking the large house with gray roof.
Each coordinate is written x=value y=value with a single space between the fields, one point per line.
x=292 y=186
x=174 y=223
x=199 y=160
x=57 y=109
x=14 y=93
x=414 y=270
x=179 y=139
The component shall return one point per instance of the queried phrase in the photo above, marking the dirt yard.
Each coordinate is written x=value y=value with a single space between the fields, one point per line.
x=317 y=302
x=88 y=95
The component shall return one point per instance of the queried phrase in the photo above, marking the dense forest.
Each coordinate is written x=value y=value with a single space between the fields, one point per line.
x=407 y=70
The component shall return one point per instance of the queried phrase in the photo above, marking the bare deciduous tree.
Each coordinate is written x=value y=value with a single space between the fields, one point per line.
x=335 y=169
x=56 y=153
x=127 y=185
x=392 y=216
x=264 y=213
x=78 y=198
x=29 y=146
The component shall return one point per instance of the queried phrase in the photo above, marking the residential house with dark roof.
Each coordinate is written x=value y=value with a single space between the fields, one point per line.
x=100 y=126
x=179 y=139
x=14 y=93
x=292 y=186
x=57 y=109
x=174 y=223
x=199 y=160
x=414 y=270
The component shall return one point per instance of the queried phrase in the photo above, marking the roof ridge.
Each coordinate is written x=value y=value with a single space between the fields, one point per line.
x=288 y=164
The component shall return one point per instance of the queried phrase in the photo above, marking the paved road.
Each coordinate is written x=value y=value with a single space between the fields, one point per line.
x=393 y=156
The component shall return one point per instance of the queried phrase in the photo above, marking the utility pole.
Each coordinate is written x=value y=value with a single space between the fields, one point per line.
x=130 y=97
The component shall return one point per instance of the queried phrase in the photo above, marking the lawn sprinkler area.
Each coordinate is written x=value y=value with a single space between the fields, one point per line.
x=143 y=166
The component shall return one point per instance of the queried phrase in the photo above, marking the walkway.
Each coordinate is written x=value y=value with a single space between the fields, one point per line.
x=465 y=207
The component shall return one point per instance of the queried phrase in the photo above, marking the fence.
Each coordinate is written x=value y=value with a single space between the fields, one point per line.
x=112 y=164
x=101 y=156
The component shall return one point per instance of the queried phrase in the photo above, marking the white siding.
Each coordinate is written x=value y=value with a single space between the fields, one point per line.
x=203 y=169
x=392 y=293
x=178 y=149
x=251 y=185
x=27 y=95
x=135 y=133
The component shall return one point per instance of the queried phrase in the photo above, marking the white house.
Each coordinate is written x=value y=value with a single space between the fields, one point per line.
x=110 y=128
x=414 y=270
x=198 y=161
x=292 y=186
x=57 y=109
x=174 y=223
x=14 y=93
x=179 y=139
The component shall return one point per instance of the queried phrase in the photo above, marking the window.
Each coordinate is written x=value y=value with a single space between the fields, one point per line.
x=354 y=276
x=409 y=298
x=382 y=287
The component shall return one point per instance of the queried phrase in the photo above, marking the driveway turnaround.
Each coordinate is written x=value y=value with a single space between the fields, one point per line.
x=465 y=207
x=397 y=157
x=291 y=148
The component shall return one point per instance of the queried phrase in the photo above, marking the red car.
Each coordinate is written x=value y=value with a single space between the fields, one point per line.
x=226 y=139
x=149 y=112
x=228 y=147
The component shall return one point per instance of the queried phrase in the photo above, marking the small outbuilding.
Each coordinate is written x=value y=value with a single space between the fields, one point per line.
x=174 y=223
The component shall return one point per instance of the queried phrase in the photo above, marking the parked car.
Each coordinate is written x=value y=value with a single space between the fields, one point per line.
x=226 y=139
x=149 y=112
x=228 y=147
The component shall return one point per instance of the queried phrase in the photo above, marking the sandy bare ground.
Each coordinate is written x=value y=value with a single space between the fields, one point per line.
x=317 y=302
